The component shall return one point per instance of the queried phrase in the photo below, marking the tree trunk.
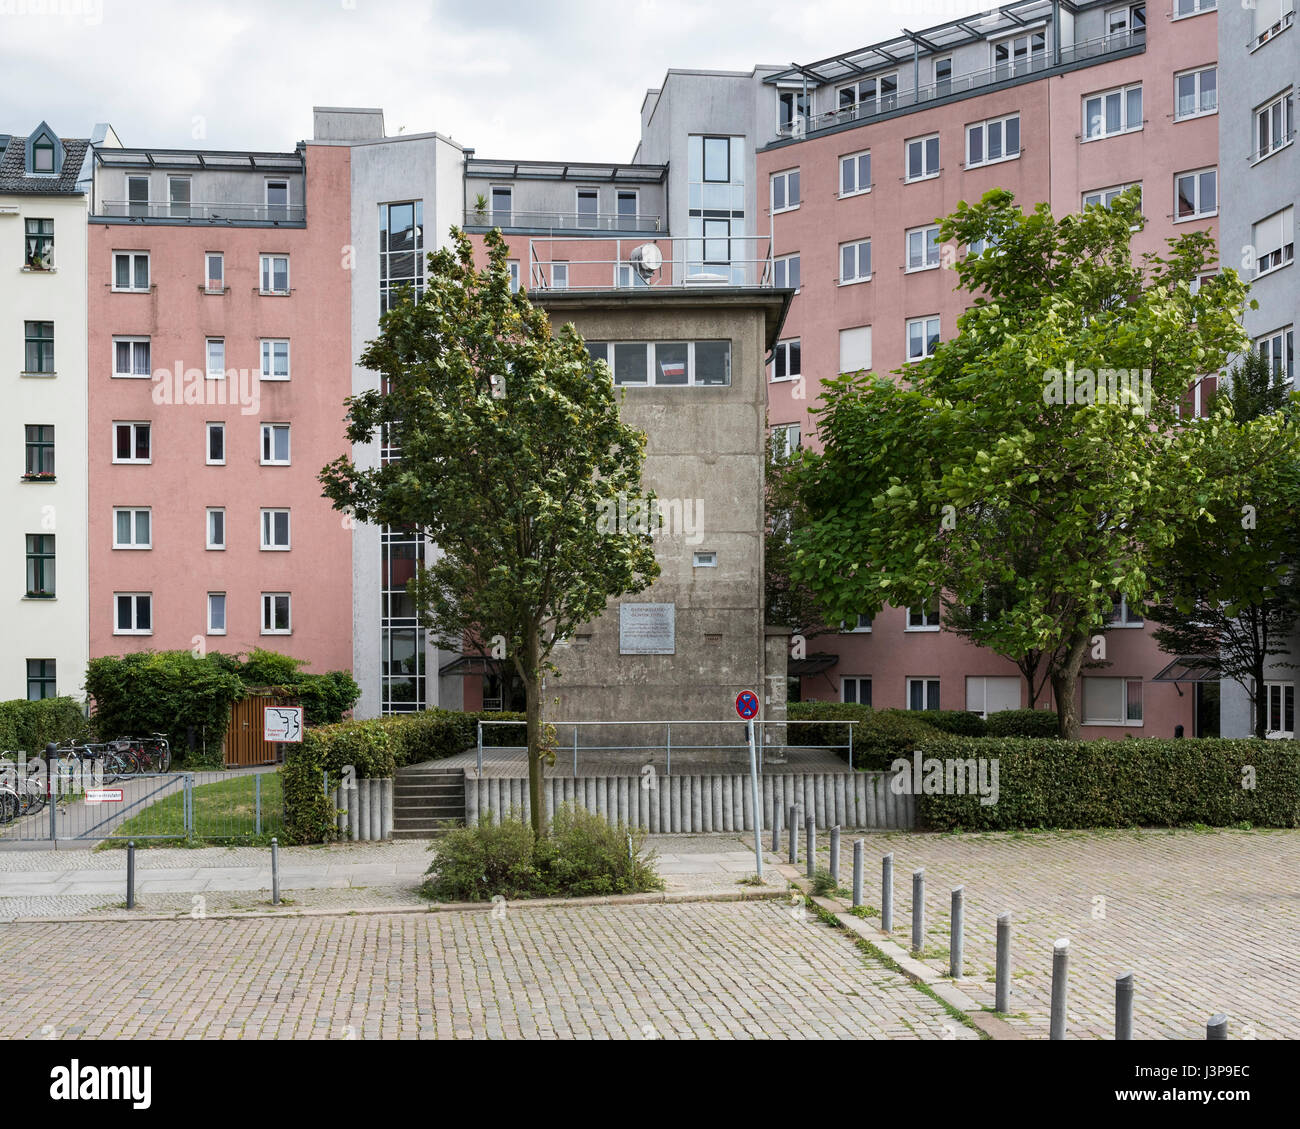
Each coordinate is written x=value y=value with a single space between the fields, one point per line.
x=1065 y=685
x=533 y=713
x=1259 y=699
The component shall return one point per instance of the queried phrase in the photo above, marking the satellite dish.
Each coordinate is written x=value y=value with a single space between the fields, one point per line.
x=646 y=259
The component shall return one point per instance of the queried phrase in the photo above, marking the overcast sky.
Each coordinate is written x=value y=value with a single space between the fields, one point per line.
x=561 y=79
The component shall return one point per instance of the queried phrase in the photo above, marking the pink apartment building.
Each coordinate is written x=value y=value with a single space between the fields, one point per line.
x=874 y=147
x=220 y=356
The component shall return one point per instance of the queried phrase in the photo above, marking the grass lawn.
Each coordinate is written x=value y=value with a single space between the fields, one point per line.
x=225 y=811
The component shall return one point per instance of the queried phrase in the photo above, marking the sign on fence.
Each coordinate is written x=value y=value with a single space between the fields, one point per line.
x=103 y=795
x=283 y=723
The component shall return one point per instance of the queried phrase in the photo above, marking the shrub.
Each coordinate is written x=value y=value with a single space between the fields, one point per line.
x=1022 y=723
x=29 y=726
x=1143 y=782
x=960 y=723
x=473 y=864
x=879 y=737
x=823 y=884
x=585 y=854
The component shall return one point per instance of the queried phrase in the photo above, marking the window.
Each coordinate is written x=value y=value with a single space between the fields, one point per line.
x=132 y=613
x=216 y=454
x=794 y=108
x=1192 y=7
x=923 y=248
x=214 y=272
x=401 y=251
x=40 y=450
x=131 y=270
x=41 y=681
x=131 y=443
x=922 y=158
x=855 y=174
x=922 y=338
x=984 y=243
x=275 y=359
x=1272 y=17
x=275 y=444
x=1274 y=241
x=588 y=207
x=132 y=529
x=1019 y=55
x=131 y=356
x=785 y=190
x=1274 y=126
x=988 y=142
x=512 y=265
x=922 y=693
x=986 y=695
x=560 y=276
x=1121 y=615
x=787 y=359
x=275 y=613
x=862 y=624
x=628 y=203
x=787 y=438
x=43 y=156
x=216 y=528
x=696 y=363
x=717 y=160
x=627 y=275
x=943 y=76
x=1130 y=20
x=785 y=272
x=1278 y=350
x=855 y=262
x=1106 y=196
x=924 y=618
x=137 y=195
x=1112 y=112
x=503 y=196
x=1196 y=93
x=275 y=530
x=40 y=566
x=1196 y=194
x=216 y=613
x=38 y=250
x=1279 y=707
x=855 y=349
x=856 y=689
x=216 y=358
x=275 y=274
x=39 y=337
x=869 y=96
x=1112 y=701
x=704 y=560
x=277 y=199
x=178 y=196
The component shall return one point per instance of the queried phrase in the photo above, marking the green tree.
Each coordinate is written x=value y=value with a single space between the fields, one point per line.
x=789 y=604
x=512 y=450
x=995 y=470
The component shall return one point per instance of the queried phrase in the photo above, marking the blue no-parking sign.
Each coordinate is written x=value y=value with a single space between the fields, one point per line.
x=747 y=704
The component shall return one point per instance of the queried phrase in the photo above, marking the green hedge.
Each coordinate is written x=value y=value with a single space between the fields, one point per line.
x=376 y=747
x=879 y=737
x=29 y=726
x=1049 y=783
x=960 y=723
x=1022 y=723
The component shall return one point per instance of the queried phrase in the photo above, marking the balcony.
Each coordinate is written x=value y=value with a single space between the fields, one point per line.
x=210 y=213
x=547 y=222
x=581 y=263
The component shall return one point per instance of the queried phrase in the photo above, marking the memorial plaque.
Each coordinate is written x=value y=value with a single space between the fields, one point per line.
x=647 y=629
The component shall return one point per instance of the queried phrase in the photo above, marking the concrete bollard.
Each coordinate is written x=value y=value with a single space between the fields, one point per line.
x=887 y=892
x=386 y=821
x=275 y=871
x=918 y=910
x=956 y=932
x=776 y=829
x=354 y=813
x=792 y=830
x=1124 y=1006
x=1217 y=1028
x=130 y=875
x=363 y=810
x=810 y=844
x=859 y=847
x=1060 y=973
x=1002 y=1001
x=835 y=855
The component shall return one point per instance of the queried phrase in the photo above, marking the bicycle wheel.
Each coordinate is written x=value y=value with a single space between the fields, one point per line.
x=9 y=806
x=164 y=756
x=110 y=767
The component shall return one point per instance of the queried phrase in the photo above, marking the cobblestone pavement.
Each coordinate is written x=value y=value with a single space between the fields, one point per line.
x=692 y=970
x=1206 y=921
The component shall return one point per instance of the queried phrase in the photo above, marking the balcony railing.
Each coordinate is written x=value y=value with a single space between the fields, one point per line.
x=1274 y=29
x=580 y=263
x=964 y=83
x=205 y=212
x=514 y=218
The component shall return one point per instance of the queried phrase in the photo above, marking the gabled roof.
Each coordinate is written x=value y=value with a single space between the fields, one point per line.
x=14 y=179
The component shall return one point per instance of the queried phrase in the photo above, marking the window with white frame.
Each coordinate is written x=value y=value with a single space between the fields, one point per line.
x=1105 y=197
x=785 y=190
x=275 y=358
x=986 y=694
x=855 y=349
x=861 y=624
x=132 y=528
x=787 y=359
x=707 y=558
x=922 y=338
x=878 y=94
x=214 y=272
x=1274 y=241
x=1279 y=709
x=275 y=274
x=627 y=204
x=1196 y=93
x=1274 y=125
x=512 y=265
x=700 y=364
x=131 y=357
x=215 y=452
x=855 y=173
x=132 y=613
x=1126 y=20
x=1196 y=194
x=275 y=444
x=276 y=618
x=923 y=694
x=1019 y=54
x=216 y=613
x=923 y=248
x=991 y=141
x=984 y=243
x=922 y=158
x=215 y=519
x=588 y=205
x=131 y=270
x=1112 y=112
x=1112 y=701
x=855 y=262
x=785 y=272
x=131 y=442
x=216 y=358
x=857 y=689
x=1184 y=8
x=1272 y=17
x=924 y=618
x=793 y=108
x=1278 y=352
x=1122 y=615
x=787 y=438
x=275 y=530
x=559 y=276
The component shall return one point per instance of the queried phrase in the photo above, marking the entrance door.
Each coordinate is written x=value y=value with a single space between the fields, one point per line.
x=1207 y=709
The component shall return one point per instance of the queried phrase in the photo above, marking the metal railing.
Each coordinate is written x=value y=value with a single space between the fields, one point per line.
x=561 y=221
x=719 y=261
x=201 y=212
x=1288 y=18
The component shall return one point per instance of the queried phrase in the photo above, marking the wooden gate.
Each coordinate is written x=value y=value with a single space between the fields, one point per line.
x=244 y=741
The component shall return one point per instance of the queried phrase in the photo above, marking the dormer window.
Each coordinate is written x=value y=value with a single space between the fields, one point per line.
x=43 y=156
x=44 y=152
